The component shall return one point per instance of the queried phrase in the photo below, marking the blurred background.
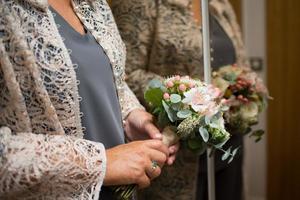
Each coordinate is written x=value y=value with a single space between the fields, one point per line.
x=271 y=31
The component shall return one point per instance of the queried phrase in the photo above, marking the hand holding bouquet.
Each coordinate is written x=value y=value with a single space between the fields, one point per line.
x=246 y=96
x=187 y=110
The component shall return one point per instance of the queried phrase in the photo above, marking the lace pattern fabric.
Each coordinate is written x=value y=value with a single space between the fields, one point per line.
x=162 y=40
x=42 y=153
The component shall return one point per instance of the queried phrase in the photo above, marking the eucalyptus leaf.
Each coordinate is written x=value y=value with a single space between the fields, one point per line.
x=235 y=151
x=176 y=106
x=171 y=115
x=155 y=83
x=204 y=134
x=226 y=155
x=231 y=159
x=163 y=119
x=163 y=89
x=183 y=114
x=207 y=120
x=258 y=135
x=231 y=77
x=175 y=98
x=220 y=145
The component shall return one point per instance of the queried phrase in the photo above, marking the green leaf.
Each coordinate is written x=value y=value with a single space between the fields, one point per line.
x=155 y=83
x=183 y=114
x=257 y=135
x=226 y=154
x=171 y=115
x=163 y=119
x=220 y=145
x=230 y=160
x=231 y=77
x=235 y=151
x=194 y=144
x=204 y=134
x=207 y=120
x=154 y=96
x=175 y=98
x=176 y=106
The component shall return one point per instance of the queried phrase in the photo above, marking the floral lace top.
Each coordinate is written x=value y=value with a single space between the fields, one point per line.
x=42 y=153
x=163 y=39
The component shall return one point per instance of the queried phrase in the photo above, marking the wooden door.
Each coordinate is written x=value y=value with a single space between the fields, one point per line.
x=283 y=53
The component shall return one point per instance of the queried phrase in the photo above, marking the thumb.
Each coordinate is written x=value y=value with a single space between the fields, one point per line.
x=152 y=131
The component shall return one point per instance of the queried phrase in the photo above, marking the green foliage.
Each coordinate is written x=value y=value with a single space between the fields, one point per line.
x=183 y=114
x=175 y=98
x=171 y=113
x=231 y=77
x=154 y=97
x=258 y=135
x=155 y=83
x=204 y=134
x=163 y=119
x=196 y=145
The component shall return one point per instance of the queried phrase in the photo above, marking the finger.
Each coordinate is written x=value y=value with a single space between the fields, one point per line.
x=159 y=146
x=152 y=131
x=143 y=181
x=157 y=156
x=171 y=159
x=153 y=171
x=174 y=148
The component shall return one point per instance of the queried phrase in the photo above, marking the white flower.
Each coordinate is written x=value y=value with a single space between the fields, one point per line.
x=201 y=99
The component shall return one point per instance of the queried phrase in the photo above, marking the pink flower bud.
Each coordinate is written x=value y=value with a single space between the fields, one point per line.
x=182 y=87
x=191 y=84
x=177 y=78
x=170 y=84
x=166 y=96
x=218 y=92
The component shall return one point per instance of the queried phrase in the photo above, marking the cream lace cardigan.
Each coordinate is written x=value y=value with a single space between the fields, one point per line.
x=163 y=39
x=42 y=153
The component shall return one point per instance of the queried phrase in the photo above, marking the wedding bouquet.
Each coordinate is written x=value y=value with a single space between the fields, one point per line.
x=187 y=110
x=191 y=111
x=246 y=96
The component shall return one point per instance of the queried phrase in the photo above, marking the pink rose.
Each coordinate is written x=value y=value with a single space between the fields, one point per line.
x=182 y=87
x=170 y=84
x=177 y=78
x=166 y=96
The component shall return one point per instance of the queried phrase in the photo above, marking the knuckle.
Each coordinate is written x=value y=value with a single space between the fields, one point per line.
x=138 y=174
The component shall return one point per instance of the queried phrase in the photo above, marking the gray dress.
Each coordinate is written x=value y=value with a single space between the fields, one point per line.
x=100 y=106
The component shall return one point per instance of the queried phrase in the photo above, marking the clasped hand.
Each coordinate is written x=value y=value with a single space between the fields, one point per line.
x=132 y=163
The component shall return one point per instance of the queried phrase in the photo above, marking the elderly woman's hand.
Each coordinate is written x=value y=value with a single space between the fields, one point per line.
x=132 y=163
x=139 y=126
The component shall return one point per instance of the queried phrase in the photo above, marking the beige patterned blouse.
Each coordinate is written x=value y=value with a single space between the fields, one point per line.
x=162 y=39
x=42 y=153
